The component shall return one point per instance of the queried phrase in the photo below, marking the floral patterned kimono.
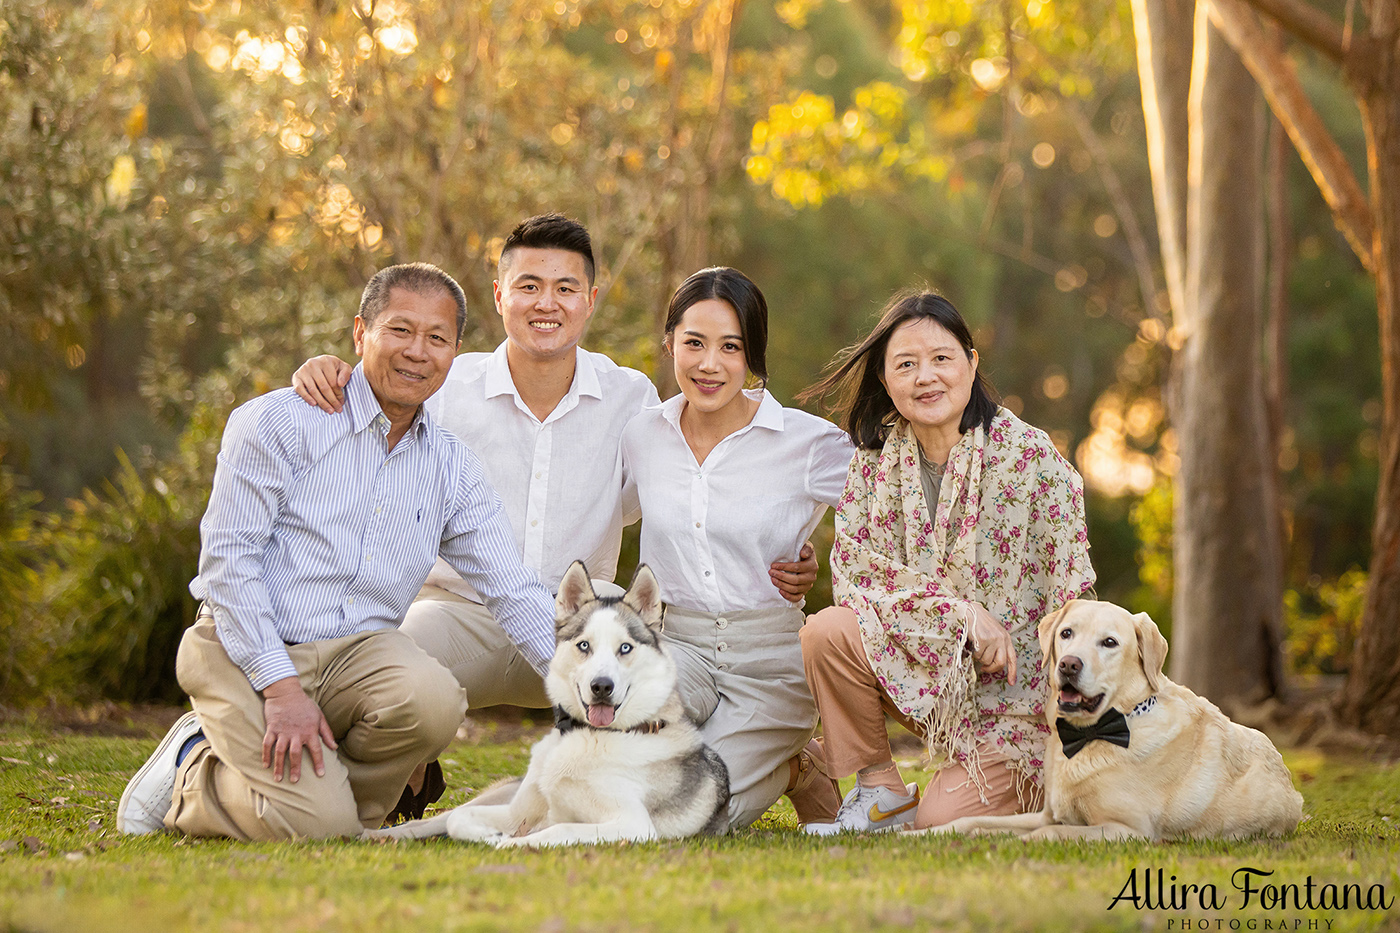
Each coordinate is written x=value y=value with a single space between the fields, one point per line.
x=1009 y=533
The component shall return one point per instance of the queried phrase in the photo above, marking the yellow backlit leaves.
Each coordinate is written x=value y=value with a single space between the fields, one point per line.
x=337 y=211
x=135 y=125
x=120 y=181
x=806 y=153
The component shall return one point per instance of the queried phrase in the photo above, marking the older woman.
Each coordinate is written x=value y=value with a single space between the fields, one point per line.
x=960 y=527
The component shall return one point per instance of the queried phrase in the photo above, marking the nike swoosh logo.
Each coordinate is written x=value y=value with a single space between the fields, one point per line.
x=877 y=815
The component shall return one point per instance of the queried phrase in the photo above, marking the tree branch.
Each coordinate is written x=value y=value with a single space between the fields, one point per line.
x=1122 y=206
x=1307 y=23
x=1319 y=151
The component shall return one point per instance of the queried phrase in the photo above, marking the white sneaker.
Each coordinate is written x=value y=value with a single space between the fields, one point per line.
x=149 y=793
x=870 y=810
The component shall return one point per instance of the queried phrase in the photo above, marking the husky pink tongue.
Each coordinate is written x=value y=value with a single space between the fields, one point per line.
x=601 y=715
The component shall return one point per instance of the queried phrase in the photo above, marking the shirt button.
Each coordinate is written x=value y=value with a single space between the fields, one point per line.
x=722 y=646
x=539 y=476
x=351 y=601
x=722 y=622
x=534 y=522
x=697 y=524
x=369 y=557
x=707 y=573
x=723 y=667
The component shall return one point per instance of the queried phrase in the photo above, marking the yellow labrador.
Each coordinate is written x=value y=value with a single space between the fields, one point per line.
x=1133 y=755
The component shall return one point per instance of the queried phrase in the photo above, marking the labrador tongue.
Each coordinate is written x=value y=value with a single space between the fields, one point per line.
x=600 y=715
x=1068 y=697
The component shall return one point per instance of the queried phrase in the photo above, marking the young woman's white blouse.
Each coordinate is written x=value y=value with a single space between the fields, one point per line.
x=710 y=531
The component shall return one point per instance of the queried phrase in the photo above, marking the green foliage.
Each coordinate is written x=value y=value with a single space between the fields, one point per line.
x=1323 y=620
x=1152 y=520
x=116 y=590
x=20 y=661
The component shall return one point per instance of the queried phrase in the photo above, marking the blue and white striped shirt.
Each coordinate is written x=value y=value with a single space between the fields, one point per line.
x=316 y=531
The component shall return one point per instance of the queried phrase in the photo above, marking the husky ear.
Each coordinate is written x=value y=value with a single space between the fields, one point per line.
x=1046 y=631
x=1152 y=649
x=574 y=590
x=644 y=595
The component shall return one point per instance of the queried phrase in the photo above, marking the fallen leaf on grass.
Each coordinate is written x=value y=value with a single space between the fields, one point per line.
x=94 y=826
x=13 y=761
x=33 y=844
x=74 y=856
x=9 y=845
x=58 y=800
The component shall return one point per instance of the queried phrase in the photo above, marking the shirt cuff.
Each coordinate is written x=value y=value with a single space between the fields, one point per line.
x=269 y=667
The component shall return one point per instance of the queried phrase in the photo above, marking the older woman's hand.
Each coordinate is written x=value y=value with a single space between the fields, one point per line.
x=991 y=644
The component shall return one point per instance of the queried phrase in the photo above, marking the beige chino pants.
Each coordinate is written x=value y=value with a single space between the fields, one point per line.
x=390 y=706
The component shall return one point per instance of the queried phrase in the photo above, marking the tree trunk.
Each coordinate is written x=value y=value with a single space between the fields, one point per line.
x=1164 y=29
x=1226 y=606
x=1371 y=697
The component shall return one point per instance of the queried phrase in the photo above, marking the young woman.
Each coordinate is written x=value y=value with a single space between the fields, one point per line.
x=960 y=527
x=730 y=481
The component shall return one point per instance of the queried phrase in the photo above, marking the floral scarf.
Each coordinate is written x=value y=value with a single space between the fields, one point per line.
x=1009 y=533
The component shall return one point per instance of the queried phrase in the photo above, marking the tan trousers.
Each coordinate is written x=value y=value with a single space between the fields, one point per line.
x=740 y=677
x=464 y=638
x=853 y=707
x=389 y=705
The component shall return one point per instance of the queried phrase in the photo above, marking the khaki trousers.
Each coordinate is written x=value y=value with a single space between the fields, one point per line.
x=389 y=705
x=853 y=707
x=463 y=637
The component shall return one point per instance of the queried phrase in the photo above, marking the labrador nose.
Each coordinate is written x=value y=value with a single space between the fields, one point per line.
x=602 y=688
x=1070 y=667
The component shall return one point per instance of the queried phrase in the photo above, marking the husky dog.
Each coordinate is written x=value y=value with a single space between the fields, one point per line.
x=623 y=761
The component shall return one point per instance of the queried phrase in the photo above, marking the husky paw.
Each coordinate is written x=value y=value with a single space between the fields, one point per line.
x=515 y=842
x=469 y=830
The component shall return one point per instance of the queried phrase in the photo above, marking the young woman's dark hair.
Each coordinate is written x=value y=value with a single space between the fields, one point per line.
x=739 y=292
x=855 y=376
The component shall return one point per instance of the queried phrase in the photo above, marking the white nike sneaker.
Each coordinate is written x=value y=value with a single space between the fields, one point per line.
x=149 y=793
x=871 y=810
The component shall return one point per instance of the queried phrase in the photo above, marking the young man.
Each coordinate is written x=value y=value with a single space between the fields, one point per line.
x=546 y=418
x=319 y=532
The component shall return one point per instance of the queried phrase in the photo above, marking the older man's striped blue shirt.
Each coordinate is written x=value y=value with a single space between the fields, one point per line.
x=315 y=530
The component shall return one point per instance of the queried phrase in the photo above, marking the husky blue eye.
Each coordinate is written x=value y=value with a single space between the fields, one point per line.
x=625 y=648
x=583 y=646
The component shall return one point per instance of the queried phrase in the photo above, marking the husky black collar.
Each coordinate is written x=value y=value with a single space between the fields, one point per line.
x=566 y=723
x=1112 y=727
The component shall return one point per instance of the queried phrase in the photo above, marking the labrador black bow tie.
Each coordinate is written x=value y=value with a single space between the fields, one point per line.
x=1111 y=727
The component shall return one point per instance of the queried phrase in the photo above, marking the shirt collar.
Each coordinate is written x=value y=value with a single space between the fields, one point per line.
x=769 y=414
x=498 y=380
x=365 y=408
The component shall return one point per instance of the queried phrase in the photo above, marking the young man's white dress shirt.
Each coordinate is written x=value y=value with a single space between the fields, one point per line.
x=565 y=492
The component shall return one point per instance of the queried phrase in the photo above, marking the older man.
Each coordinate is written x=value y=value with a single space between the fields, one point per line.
x=320 y=530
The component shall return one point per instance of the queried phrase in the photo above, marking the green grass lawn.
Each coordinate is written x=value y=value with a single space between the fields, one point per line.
x=64 y=868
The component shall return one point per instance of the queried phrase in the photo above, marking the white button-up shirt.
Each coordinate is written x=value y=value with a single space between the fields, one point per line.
x=561 y=479
x=710 y=531
x=316 y=530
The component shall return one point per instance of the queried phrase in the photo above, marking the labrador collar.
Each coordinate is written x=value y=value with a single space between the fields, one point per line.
x=1111 y=727
x=566 y=723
